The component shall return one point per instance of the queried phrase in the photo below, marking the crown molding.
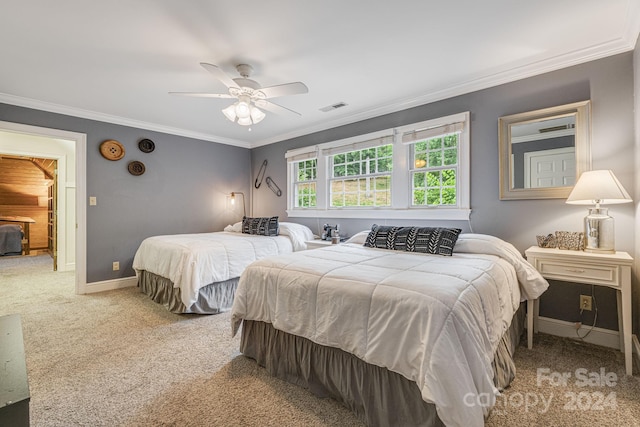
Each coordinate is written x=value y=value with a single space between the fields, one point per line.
x=624 y=43
x=603 y=50
x=101 y=117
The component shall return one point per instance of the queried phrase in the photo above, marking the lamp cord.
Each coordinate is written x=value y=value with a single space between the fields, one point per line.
x=595 y=317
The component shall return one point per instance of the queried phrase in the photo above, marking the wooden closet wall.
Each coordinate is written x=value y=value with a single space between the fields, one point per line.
x=24 y=183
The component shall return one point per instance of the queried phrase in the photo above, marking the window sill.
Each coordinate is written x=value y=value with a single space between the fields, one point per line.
x=424 y=214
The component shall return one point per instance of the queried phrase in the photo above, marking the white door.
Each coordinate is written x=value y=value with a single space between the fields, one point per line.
x=550 y=168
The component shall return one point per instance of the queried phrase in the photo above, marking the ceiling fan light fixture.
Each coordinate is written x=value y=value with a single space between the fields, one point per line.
x=244 y=121
x=257 y=115
x=243 y=107
x=230 y=112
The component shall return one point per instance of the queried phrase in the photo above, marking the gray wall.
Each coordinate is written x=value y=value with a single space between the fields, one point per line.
x=608 y=83
x=183 y=189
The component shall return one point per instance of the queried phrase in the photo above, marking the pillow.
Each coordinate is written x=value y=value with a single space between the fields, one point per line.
x=235 y=228
x=264 y=226
x=430 y=240
x=358 y=238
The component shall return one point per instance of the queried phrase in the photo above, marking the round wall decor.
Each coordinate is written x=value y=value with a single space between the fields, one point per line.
x=146 y=145
x=136 y=168
x=112 y=150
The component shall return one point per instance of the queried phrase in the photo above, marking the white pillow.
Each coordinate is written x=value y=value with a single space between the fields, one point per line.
x=235 y=228
x=358 y=238
x=292 y=228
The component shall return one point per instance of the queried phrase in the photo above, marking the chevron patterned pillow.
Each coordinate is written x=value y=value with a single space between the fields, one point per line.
x=265 y=226
x=430 y=240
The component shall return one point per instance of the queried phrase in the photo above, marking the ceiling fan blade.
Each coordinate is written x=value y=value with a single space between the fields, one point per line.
x=219 y=74
x=274 y=108
x=294 y=88
x=202 y=95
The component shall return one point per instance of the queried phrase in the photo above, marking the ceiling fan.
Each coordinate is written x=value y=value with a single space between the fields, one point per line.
x=249 y=94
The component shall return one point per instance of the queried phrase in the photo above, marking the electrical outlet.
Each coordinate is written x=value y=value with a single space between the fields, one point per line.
x=93 y=201
x=116 y=266
x=585 y=302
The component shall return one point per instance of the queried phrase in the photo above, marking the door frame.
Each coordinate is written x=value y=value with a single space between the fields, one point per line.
x=80 y=140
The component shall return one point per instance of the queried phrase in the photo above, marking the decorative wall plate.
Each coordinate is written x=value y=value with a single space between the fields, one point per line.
x=146 y=145
x=136 y=168
x=112 y=150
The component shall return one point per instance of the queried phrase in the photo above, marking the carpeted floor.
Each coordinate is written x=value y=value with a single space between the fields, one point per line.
x=118 y=359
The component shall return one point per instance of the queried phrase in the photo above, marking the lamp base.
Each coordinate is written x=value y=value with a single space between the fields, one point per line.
x=599 y=231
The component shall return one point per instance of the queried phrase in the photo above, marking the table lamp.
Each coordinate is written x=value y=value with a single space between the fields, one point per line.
x=599 y=187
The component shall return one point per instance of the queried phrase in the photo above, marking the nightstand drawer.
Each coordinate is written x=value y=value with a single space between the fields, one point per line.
x=575 y=272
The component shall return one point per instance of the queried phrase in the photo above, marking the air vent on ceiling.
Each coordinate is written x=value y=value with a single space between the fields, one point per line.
x=333 y=107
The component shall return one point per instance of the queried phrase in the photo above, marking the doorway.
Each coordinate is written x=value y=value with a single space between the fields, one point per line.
x=26 y=140
x=28 y=196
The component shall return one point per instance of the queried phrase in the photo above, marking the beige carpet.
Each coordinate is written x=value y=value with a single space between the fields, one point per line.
x=118 y=359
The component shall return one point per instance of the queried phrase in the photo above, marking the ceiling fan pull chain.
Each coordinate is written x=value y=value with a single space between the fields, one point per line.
x=272 y=185
x=261 y=172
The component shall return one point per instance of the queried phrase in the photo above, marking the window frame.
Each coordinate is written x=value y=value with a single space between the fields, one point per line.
x=401 y=195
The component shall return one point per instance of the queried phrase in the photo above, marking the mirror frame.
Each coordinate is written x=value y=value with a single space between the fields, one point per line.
x=582 y=111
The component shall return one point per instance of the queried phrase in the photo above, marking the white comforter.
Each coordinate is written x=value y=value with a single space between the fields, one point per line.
x=435 y=320
x=192 y=261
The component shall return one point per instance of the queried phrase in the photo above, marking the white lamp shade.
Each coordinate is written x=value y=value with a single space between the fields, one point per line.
x=257 y=115
x=600 y=187
x=244 y=121
x=230 y=112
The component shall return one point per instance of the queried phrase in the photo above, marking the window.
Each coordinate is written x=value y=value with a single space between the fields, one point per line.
x=435 y=169
x=362 y=177
x=417 y=171
x=305 y=183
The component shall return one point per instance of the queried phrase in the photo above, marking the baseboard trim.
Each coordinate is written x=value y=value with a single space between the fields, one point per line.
x=599 y=336
x=109 y=285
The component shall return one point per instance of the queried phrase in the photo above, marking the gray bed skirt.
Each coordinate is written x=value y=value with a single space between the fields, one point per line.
x=213 y=299
x=376 y=395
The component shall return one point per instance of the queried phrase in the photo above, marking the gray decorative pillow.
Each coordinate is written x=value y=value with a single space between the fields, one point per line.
x=430 y=240
x=265 y=226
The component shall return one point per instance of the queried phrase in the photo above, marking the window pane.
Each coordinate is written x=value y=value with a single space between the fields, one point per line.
x=451 y=156
x=433 y=196
x=369 y=153
x=353 y=169
x=449 y=177
x=449 y=196
x=385 y=150
x=339 y=170
x=418 y=197
x=433 y=179
x=421 y=146
x=338 y=159
x=451 y=140
x=435 y=158
x=435 y=143
x=352 y=156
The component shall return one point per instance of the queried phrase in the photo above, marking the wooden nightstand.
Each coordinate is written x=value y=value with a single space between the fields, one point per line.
x=317 y=243
x=610 y=270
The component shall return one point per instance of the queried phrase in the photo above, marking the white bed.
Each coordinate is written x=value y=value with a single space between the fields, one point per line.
x=198 y=273
x=435 y=320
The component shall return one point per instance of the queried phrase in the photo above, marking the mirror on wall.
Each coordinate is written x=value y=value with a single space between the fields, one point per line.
x=543 y=152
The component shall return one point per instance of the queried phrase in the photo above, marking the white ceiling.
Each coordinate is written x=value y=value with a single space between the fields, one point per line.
x=117 y=61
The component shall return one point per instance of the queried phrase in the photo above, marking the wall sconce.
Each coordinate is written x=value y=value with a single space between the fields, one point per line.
x=233 y=201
